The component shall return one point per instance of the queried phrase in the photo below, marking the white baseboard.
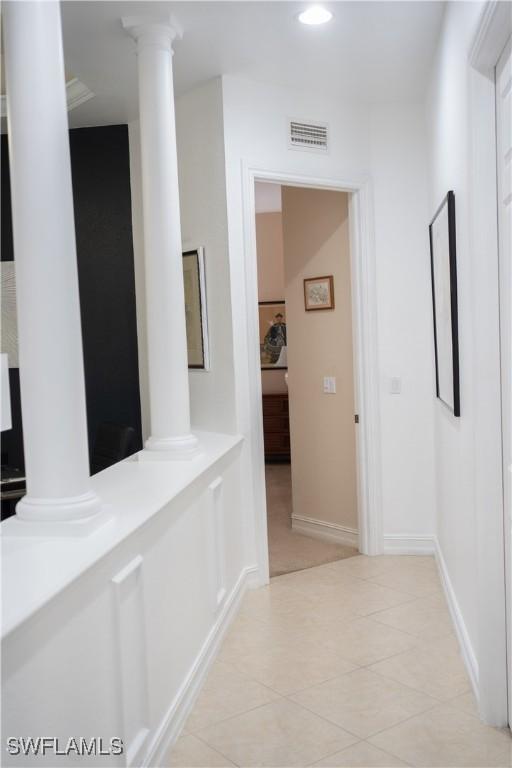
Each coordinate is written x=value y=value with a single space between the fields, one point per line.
x=254 y=578
x=467 y=650
x=408 y=544
x=319 y=529
x=176 y=716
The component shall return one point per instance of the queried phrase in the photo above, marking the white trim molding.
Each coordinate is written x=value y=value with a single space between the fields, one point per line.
x=320 y=529
x=132 y=690
x=468 y=652
x=76 y=93
x=494 y=29
x=409 y=544
x=177 y=714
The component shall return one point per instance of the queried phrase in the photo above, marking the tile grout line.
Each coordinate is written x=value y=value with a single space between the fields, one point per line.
x=334 y=677
x=410 y=687
x=436 y=704
x=232 y=717
x=358 y=666
x=363 y=741
x=435 y=699
x=215 y=750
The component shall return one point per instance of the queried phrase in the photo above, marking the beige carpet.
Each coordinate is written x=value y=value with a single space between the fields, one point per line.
x=290 y=551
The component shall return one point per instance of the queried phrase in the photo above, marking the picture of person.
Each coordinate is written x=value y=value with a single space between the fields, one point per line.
x=275 y=338
x=272 y=334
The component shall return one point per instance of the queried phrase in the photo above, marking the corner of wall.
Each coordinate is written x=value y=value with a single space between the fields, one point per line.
x=140 y=283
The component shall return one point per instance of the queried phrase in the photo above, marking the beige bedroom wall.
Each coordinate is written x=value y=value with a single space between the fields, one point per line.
x=316 y=243
x=269 y=247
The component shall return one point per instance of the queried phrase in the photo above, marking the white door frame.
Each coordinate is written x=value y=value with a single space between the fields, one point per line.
x=366 y=370
x=492 y=33
x=504 y=237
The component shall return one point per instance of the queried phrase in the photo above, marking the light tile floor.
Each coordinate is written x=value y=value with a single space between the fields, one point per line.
x=353 y=663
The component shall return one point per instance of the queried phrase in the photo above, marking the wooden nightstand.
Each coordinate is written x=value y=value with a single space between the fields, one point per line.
x=276 y=427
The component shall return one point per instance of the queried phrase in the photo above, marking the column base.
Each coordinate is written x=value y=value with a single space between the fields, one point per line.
x=64 y=510
x=16 y=527
x=169 y=448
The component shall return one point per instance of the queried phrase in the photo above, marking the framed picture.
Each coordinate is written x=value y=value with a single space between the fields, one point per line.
x=319 y=293
x=272 y=334
x=443 y=266
x=195 y=309
x=9 y=335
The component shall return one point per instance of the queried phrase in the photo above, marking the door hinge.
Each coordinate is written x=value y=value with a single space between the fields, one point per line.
x=356 y=418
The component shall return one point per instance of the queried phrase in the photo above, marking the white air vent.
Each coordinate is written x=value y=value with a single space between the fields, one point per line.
x=308 y=136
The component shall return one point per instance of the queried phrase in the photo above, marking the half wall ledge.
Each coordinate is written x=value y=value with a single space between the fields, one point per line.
x=37 y=567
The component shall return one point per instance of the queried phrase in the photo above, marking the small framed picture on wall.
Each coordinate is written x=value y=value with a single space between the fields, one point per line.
x=319 y=293
x=195 y=309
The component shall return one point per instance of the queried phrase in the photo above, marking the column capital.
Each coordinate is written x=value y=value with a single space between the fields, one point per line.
x=153 y=31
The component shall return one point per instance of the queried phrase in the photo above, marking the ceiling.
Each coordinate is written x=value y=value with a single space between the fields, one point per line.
x=370 y=51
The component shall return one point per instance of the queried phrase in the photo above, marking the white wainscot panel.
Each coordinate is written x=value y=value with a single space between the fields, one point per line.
x=122 y=650
x=217 y=545
x=59 y=678
x=130 y=644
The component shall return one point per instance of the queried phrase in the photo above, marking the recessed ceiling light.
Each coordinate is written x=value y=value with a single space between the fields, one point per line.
x=315 y=15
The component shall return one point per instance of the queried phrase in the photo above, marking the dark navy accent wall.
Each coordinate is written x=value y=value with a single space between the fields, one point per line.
x=102 y=202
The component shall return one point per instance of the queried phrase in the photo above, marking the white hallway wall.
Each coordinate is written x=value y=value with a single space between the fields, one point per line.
x=447 y=117
x=386 y=143
x=467 y=449
x=200 y=138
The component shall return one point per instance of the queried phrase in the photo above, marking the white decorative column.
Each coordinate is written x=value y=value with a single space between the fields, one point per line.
x=50 y=340
x=165 y=302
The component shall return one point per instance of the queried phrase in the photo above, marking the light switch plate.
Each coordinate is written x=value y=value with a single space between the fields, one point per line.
x=329 y=385
x=396 y=385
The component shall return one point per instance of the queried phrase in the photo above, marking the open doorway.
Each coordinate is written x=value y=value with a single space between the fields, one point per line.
x=307 y=375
